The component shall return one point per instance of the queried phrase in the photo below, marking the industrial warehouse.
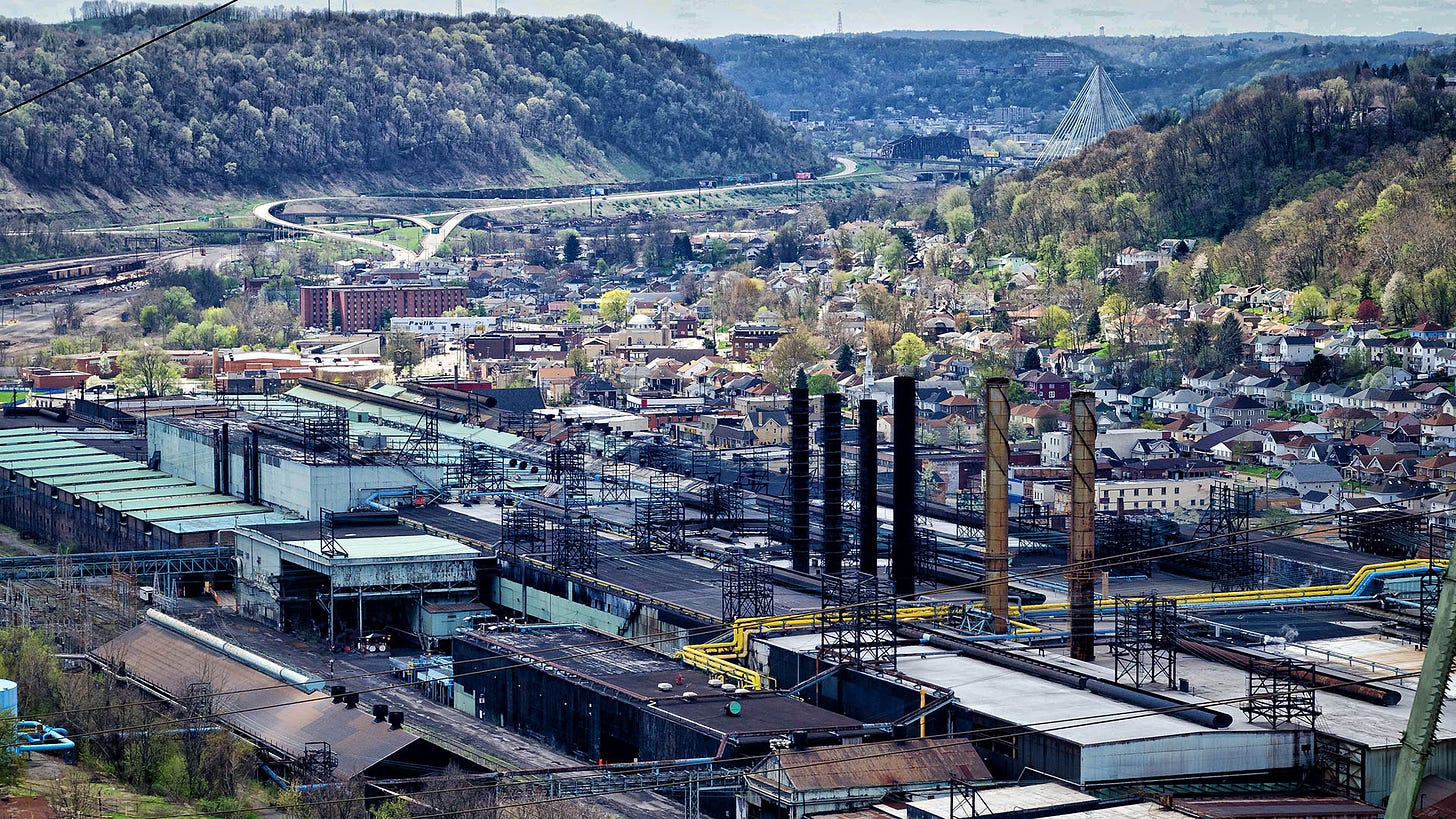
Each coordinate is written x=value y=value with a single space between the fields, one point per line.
x=702 y=622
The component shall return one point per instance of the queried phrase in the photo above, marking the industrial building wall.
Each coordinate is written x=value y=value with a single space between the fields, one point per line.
x=577 y=720
x=552 y=598
x=185 y=453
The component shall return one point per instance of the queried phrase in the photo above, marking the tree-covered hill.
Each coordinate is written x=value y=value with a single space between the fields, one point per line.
x=1342 y=180
x=861 y=75
x=253 y=102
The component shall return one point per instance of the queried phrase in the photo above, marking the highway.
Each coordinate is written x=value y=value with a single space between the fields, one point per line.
x=432 y=242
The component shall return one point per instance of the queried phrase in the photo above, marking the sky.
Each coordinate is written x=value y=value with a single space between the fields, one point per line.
x=688 y=19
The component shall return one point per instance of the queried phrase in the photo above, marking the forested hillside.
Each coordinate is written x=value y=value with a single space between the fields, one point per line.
x=253 y=103
x=1343 y=180
x=860 y=75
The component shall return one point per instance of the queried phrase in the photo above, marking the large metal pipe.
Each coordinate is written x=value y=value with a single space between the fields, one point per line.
x=1207 y=717
x=1082 y=549
x=1312 y=676
x=902 y=543
x=256 y=458
x=869 y=487
x=833 y=483
x=799 y=474
x=236 y=652
x=997 y=490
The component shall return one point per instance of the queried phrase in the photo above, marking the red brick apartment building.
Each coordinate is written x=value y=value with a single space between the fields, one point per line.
x=361 y=307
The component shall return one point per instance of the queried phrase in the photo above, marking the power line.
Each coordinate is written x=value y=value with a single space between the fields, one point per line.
x=123 y=55
x=613 y=645
x=967 y=737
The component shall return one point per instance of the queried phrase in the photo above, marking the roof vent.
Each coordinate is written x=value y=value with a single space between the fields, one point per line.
x=664 y=686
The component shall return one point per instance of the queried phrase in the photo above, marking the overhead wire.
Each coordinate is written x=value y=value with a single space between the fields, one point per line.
x=969 y=737
x=609 y=645
x=119 y=57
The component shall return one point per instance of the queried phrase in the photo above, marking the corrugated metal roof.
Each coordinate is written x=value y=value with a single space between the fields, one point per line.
x=115 y=480
x=876 y=764
x=174 y=500
x=165 y=488
x=214 y=510
x=277 y=714
x=102 y=464
x=213 y=523
x=1312 y=807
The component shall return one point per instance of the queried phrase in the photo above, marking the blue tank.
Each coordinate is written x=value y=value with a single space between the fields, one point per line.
x=9 y=698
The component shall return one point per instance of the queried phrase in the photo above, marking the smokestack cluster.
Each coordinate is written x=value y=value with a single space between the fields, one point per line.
x=996 y=487
x=833 y=484
x=799 y=474
x=1081 y=550
x=869 y=487
x=902 y=546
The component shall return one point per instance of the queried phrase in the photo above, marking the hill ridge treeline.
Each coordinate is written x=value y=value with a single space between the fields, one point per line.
x=253 y=102
x=1342 y=181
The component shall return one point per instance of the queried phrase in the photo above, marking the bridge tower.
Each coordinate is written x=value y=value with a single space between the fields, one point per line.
x=1098 y=109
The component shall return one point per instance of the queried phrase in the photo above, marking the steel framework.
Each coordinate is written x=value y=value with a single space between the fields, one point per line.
x=574 y=545
x=657 y=522
x=1278 y=695
x=927 y=547
x=1340 y=765
x=970 y=510
x=1144 y=640
x=747 y=588
x=1236 y=564
x=523 y=531
x=857 y=620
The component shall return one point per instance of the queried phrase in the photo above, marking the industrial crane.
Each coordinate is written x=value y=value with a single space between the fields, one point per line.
x=1420 y=729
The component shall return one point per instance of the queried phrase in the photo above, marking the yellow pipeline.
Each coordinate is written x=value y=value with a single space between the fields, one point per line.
x=717 y=658
x=1269 y=595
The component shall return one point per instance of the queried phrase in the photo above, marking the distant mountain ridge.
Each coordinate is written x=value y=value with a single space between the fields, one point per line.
x=906 y=73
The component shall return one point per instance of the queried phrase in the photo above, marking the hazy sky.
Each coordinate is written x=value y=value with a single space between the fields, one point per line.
x=710 y=18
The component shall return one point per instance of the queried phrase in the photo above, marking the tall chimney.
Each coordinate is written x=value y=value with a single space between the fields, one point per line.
x=902 y=546
x=1082 y=547
x=833 y=484
x=227 y=464
x=869 y=487
x=996 y=488
x=799 y=474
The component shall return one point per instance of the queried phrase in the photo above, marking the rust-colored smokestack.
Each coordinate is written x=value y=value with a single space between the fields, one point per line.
x=995 y=485
x=869 y=487
x=1082 y=549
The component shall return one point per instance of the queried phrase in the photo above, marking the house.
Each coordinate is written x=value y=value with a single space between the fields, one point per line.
x=1241 y=410
x=1232 y=444
x=1439 y=431
x=1295 y=349
x=1047 y=385
x=555 y=382
x=1306 y=478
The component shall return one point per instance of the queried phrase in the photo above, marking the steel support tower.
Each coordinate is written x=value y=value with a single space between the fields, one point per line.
x=747 y=588
x=857 y=621
x=1144 y=643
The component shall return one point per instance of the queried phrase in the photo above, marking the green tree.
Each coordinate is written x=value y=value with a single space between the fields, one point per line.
x=1054 y=319
x=613 y=305
x=909 y=350
x=845 y=361
x=573 y=315
x=1309 y=305
x=1082 y=263
x=959 y=223
x=148 y=371
x=1032 y=360
x=1094 y=326
x=570 y=245
x=402 y=349
x=1230 y=343
x=822 y=383
x=1400 y=302
x=791 y=353
x=1439 y=289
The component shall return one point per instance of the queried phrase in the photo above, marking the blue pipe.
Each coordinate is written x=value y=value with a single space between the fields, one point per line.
x=387 y=493
x=283 y=783
x=43 y=738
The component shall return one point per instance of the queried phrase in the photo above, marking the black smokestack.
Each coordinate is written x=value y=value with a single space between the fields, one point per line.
x=833 y=484
x=799 y=474
x=869 y=487
x=227 y=464
x=902 y=548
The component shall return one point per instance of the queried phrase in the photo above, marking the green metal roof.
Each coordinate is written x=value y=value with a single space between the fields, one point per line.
x=112 y=480
x=214 y=523
x=61 y=458
x=103 y=464
x=167 y=488
x=215 y=510
x=130 y=505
